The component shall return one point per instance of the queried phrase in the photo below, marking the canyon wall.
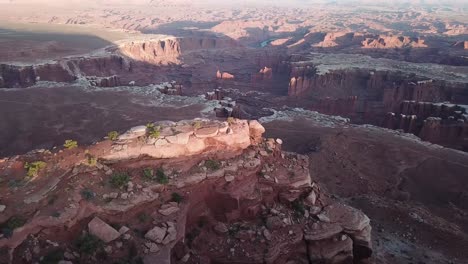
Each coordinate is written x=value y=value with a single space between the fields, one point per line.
x=169 y=50
x=444 y=124
x=392 y=99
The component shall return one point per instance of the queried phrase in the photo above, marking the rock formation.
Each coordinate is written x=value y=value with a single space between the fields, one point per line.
x=391 y=42
x=444 y=124
x=214 y=192
x=224 y=75
x=169 y=50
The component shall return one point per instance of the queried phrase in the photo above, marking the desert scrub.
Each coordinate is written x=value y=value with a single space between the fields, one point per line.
x=87 y=194
x=119 y=179
x=33 y=168
x=88 y=244
x=12 y=224
x=143 y=217
x=299 y=207
x=197 y=124
x=230 y=120
x=212 y=165
x=153 y=131
x=70 y=144
x=161 y=177
x=91 y=160
x=148 y=174
x=52 y=257
x=113 y=135
x=176 y=197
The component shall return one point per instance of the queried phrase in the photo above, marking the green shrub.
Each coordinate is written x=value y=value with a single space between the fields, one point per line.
x=88 y=244
x=212 y=164
x=33 y=168
x=70 y=144
x=175 y=197
x=91 y=160
x=153 y=131
x=161 y=176
x=87 y=194
x=113 y=135
x=119 y=179
x=148 y=174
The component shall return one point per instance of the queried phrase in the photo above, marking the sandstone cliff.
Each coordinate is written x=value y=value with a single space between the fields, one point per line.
x=214 y=192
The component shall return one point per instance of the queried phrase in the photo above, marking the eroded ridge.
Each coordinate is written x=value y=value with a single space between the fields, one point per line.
x=213 y=192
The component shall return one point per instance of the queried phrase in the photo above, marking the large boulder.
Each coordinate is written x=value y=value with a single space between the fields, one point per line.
x=256 y=131
x=102 y=230
x=156 y=234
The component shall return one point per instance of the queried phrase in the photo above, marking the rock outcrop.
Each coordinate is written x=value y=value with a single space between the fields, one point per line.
x=169 y=50
x=185 y=138
x=224 y=75
x=230 y=197
x=391 y=42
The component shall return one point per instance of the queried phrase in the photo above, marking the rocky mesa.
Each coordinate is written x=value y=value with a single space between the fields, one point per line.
x=194 y=191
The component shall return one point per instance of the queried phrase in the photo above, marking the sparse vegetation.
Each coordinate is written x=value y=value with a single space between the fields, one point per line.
x=231 y=120
x=119 y=179
x=161 y=177
x=143 y=217
x=176 y=197
x=192 y=235
x=153 y=131
x=148 y=174
x=88 y=244
x=212 y=164
x=33 y=168
x=10 y=225
x=70 y=144
x=197 y=124
x=91 y=160
x=87 y=194
x=298 y=207
x=53 y=256
x=113 y=135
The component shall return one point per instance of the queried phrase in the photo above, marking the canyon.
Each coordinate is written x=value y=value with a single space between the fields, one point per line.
x=255 y=132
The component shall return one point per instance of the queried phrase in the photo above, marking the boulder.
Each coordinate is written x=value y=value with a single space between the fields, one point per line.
x=156 y=234
x=168 y=209
x=180 y=138
x=331 y=251
x=102 y=230
x=171 y=233
x=215 y=174
x=191 y=179
x=206 y=132
x=220 y=228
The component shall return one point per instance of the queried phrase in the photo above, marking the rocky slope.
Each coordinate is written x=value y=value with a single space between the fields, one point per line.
x=195 y=192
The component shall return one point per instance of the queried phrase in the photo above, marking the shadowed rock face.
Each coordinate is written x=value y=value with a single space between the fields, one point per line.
x=230 y=197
